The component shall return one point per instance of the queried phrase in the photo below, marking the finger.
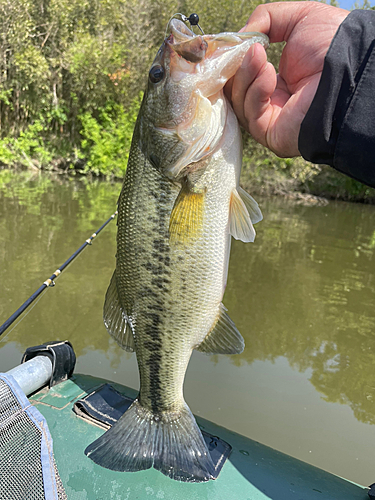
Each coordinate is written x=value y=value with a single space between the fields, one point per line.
x=228 y=89
x=258 y=103
x=277 y=20
x=279 y=120
x=251 y=65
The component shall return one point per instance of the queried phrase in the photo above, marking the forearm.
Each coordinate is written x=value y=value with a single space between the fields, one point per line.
x=339 y=127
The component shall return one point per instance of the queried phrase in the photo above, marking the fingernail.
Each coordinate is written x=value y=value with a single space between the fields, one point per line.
x=248 y=57
x=252 y=51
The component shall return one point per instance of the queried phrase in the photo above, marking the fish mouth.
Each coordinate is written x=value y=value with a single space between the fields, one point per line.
x=185 y=43
x=195 y=48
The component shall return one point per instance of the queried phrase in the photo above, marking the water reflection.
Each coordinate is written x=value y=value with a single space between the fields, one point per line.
x=305 y=291
x=308 y=286
x=43 y=220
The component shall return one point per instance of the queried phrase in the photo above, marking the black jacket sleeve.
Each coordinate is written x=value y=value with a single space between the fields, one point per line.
x=339 y=127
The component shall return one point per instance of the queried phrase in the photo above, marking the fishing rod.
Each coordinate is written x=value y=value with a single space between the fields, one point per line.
x=50 y=281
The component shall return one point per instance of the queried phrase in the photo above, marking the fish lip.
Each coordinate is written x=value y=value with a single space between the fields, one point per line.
x=185 y=43
x=179 y=30
x=235 y=38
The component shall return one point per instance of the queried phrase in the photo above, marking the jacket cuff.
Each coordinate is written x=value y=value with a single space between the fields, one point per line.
x=339 y=127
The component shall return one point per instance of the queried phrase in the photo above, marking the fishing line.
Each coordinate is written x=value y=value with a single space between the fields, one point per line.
x=50 y=281
x=193 y=20
x=24 y=316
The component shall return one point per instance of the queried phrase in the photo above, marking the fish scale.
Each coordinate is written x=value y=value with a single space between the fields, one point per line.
x=150 y=288
x=179 y=207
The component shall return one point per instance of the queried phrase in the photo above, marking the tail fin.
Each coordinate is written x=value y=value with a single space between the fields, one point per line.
x=171 y=443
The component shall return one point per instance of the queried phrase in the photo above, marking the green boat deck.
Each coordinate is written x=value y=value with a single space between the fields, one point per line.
x=252 y=472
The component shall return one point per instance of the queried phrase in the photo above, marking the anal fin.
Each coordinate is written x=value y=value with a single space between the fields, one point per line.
x=115 y=318
x=224 y=338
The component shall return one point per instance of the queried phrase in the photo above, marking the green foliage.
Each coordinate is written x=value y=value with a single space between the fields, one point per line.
x=332 y=184
x=64 y=60
x=7 y=157
x=29 y=149
x=363 y=4
x=106 y=140
x=30 y=143
x=70 y=76
x=265 y=173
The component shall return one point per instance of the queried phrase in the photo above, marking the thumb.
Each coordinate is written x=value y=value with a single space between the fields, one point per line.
x=252 y=88
x=278 y=19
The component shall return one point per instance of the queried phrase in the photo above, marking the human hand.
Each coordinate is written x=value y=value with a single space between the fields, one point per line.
x=272 y=107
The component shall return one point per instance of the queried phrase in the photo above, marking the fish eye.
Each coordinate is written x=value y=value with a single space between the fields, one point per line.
x=156 y=73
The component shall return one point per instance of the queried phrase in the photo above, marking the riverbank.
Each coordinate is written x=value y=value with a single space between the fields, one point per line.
x=263 y=174
x=326 y=184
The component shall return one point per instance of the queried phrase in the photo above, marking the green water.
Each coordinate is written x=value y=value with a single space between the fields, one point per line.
x=302 y=296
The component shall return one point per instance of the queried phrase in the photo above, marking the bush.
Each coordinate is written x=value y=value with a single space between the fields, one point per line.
x=28 y=149
x=106 y=140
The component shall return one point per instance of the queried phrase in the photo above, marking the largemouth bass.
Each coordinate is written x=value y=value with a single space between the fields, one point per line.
x=179 y=206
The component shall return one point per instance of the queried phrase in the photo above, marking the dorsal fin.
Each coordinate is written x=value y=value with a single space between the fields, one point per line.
x=186 y=220
x=240 y=225
x=115 y=318
x=251 y=205
x=224 y=338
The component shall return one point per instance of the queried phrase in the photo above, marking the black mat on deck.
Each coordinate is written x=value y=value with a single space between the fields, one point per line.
x=105 y=406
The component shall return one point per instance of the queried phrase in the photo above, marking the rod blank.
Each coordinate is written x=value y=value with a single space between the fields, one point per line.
x=50 y=280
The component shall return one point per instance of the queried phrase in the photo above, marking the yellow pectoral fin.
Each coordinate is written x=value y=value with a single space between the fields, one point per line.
x=186 y=222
